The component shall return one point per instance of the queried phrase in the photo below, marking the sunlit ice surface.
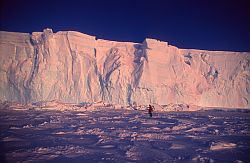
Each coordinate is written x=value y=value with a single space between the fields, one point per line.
x=124 y=136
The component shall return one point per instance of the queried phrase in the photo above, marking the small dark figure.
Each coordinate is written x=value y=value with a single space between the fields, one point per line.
x=150 y=110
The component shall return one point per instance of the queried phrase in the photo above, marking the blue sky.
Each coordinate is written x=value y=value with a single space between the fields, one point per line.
x=200 y=24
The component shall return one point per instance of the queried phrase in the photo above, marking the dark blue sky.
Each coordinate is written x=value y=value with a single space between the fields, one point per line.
x=200 y=24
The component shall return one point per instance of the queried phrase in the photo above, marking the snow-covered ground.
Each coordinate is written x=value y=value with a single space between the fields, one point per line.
x=110 y=135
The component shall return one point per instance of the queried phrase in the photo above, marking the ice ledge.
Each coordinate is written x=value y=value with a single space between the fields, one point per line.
x=154 y=43
x=149 y=43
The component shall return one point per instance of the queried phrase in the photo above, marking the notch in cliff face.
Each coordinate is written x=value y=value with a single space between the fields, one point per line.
x=212 y=73
x=40 y=37
x=188 y=59
x=111 y=64
x=140 y=56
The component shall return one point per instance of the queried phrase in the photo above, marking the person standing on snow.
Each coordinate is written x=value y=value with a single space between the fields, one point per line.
x=150 y=110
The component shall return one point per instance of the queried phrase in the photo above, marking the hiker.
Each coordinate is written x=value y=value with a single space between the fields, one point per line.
x=150 y=110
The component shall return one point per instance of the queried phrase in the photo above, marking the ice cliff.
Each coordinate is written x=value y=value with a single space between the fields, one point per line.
x=74 y=67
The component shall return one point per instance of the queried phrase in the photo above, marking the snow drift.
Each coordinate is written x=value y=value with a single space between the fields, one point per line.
x=74 y=67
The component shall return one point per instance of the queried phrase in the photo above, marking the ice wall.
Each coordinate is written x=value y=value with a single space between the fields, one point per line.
x=75 y=67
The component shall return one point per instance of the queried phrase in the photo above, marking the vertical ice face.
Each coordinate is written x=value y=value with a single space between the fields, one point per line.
x=75 y=67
